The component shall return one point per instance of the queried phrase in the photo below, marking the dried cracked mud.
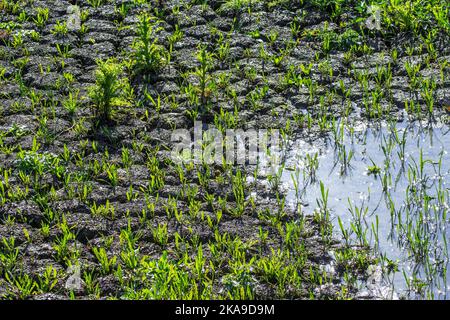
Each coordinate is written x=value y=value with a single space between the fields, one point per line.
x=103 y=205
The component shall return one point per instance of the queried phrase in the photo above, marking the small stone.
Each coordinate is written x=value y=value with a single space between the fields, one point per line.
x=74 y=19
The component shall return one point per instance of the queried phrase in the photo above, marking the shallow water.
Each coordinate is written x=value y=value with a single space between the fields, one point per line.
x=410 y=206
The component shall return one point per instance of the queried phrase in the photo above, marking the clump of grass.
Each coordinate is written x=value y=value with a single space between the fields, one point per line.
x=41 y=18
x=203 y=74
x=148 y=55
x=107 y=91
x=96 y=3
x=60 y=28
x=71 y=103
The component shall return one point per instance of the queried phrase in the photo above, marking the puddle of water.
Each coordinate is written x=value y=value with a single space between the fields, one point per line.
x=390 y=183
